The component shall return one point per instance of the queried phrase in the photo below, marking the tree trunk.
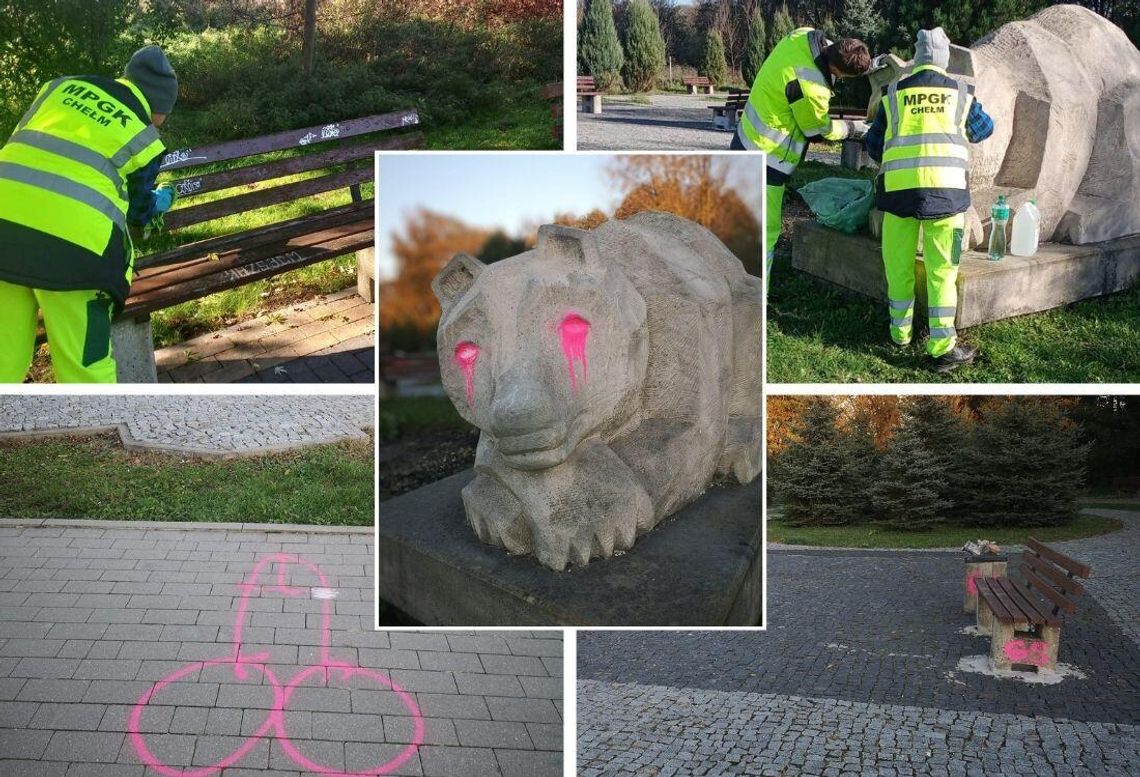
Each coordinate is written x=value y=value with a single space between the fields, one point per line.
x=309 y=42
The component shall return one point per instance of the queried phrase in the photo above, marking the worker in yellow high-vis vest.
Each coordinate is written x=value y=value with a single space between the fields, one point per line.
x=788 y=107
x=920 y=138
x=78 y=171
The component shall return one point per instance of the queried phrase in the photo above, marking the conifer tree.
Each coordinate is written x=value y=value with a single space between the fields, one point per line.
x=644 y=47
x=715 y=66
x=1026 y=465
x=782 y=27
x=904 y=493
x=755 y=46
x=810 y=479
x=945 y=435
x=599 y=51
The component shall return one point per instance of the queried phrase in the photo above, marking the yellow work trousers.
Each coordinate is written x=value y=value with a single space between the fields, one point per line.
x=78 y=325
x=941 y=252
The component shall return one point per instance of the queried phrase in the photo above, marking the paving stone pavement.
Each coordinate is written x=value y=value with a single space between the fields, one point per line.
x=858 y=674
x=205 y=425
x=118 y=645
x=329 y=339
x=670 y=121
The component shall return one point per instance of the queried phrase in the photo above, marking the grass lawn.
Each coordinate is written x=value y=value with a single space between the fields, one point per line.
x=874 y=536
x=521 y=123
x=818 y=333
x=407 y=415
x=94 y=477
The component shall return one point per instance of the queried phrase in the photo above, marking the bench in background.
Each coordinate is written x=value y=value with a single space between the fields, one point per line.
x=197 y=269
x=727 y=116
x=697 y=83
x=589 y=95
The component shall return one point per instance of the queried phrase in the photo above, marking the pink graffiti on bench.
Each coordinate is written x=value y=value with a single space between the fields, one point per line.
x=240 y=663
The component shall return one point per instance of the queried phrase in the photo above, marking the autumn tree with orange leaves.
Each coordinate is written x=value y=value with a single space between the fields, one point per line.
x=693 y=187
x=426 y=244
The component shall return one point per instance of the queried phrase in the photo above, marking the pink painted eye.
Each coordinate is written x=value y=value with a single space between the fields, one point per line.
x=466 y=354
x=574 y=331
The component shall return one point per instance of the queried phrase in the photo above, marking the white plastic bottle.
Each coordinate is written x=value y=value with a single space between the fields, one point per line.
x=1026 y=227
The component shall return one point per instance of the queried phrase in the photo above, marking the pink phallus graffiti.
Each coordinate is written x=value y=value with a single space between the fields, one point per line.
x=574 y=331
x=240 y=664
x=466 y=354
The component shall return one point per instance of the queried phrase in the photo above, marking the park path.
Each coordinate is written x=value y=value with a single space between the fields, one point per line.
x=681 y=122
x=127 y=645
x=198 y=425
x=330 y=339
x=859 y=674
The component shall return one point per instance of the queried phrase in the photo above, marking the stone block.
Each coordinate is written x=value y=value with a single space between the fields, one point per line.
x=701 y=568
x=132 y=345
x=987 y=291
x=366 y=274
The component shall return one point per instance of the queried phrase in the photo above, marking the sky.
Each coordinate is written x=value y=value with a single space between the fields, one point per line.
x=496 y=190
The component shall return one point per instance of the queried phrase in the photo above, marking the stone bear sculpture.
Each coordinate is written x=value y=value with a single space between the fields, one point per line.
x=1063 y=88
x=614 y=374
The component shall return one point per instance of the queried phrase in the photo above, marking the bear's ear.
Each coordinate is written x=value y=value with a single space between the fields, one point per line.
x=456 y=278
x=567 y=244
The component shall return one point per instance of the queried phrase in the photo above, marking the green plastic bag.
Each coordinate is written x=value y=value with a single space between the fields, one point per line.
x=840 y=203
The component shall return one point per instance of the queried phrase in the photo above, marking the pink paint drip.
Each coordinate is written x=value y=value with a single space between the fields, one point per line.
x=466 y=353
x=574 y=331
x=1027 y=651
x=240 y=663
x=971 y=582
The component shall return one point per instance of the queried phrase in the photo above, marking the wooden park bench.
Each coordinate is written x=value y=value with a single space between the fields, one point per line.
x=590 y=96
x=553 y=94
x=197 y=269
x=1024 y=619
x=697 y=83
x=726 y=116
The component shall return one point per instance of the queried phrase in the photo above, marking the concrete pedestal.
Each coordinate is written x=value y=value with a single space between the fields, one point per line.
x=366 y=274
x=987 y=291
x=702 y=567
x=980 y=566
x=132 y=345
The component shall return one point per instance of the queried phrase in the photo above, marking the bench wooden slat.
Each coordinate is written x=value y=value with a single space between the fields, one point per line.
x=1015 y=613
x=1060 y=559
x=1035 y=610
x=1046 y=590
x=207 y=211
x=255 y=247
x=288 y=259
x=235 y=149
x=1070 y=585
x=987 y=590
x=193 y=186
x=278 y=231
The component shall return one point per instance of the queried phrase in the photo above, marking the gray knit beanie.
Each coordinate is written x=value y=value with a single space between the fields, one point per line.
x=932 y=47
x=150 y=71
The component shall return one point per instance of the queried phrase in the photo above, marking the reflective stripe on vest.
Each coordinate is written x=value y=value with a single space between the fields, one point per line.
x=76 y=145
x=928 y=148
x=767 y=123
x=64 y=187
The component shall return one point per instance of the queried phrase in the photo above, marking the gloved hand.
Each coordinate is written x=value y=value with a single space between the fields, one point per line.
x=164 y=198
x=857 y=130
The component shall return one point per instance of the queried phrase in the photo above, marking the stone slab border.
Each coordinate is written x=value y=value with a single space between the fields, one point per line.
x=95 y=523
x=132 y=443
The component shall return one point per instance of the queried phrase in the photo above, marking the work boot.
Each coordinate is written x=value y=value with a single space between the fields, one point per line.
x=955 y=357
